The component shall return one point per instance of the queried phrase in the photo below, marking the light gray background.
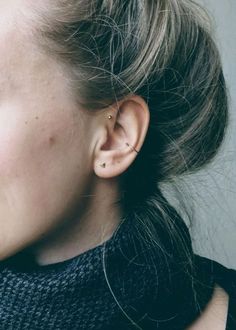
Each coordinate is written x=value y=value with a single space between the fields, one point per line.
x=213 y=190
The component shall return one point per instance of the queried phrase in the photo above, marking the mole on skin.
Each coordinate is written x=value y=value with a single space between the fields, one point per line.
x=52 y=140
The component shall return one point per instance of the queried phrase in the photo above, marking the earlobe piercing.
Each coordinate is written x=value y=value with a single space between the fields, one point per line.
x=103 y=165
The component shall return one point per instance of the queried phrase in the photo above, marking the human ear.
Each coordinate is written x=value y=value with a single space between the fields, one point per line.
x=125 y=134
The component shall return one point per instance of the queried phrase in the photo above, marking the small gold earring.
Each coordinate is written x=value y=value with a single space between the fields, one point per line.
x=110 y=117
x=103 y=165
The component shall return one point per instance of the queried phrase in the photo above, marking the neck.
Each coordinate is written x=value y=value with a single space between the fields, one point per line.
x=90 y=228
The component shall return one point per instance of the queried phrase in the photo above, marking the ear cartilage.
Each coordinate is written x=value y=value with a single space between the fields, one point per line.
x=131 y=147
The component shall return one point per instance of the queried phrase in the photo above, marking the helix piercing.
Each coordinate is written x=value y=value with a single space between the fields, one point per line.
x=131 y=147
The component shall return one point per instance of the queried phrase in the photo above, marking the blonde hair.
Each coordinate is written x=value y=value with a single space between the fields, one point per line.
x=164 y=51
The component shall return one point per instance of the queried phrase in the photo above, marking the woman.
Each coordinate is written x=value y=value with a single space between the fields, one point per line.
x=102 y=101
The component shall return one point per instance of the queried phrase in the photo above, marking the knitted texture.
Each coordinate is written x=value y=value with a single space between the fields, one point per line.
x=74 y=294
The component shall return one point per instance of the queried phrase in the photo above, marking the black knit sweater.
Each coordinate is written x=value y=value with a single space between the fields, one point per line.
x=77 y=294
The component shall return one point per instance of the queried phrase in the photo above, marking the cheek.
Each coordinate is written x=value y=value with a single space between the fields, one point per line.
x=43 y=173
x=12 y=140
x=41 y=168
x=21 y=144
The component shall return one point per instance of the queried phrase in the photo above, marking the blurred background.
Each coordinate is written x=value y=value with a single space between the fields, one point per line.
x=211 y=193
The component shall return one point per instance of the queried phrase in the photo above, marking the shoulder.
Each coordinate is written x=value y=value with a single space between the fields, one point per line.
x=214 y=315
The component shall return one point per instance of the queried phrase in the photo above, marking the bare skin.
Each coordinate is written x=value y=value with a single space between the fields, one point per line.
x=54 y=195
x=215 y=313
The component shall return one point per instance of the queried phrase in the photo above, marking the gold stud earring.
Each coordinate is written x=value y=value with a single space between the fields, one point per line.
x=110 y=117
